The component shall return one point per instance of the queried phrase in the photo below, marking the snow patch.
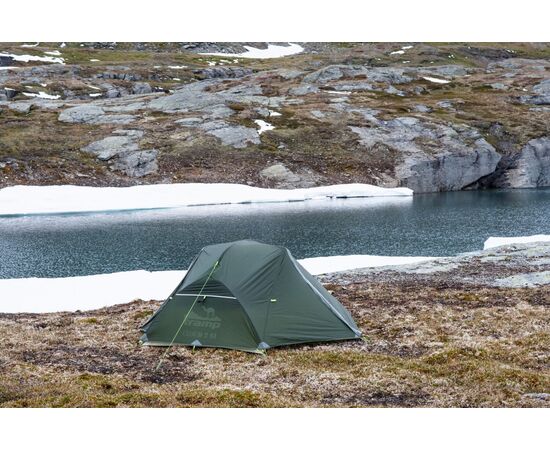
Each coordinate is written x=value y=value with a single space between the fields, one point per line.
x=327 y=264
x=274 y=114
x=46 y=295
x=97 y=94
x=23 y=200
x=42 y=295
x=397 y=52
x=53 y=53
x=272 y=51
x=498 y=241
x=436 y=80
x=176 y=67
x=264 y=126
x=41 y=94
x=8 y=68
x=94 y=60
x=31 y=45
x=27 y=58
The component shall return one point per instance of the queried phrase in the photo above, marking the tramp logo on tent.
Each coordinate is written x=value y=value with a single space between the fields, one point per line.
x=204 y=317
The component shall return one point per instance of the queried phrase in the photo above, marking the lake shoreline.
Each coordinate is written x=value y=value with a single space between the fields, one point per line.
x=448 y=332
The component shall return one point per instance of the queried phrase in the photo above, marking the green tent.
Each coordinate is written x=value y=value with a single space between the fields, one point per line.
x=248 y=296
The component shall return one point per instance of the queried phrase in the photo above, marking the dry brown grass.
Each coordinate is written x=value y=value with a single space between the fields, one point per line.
x=424 y=346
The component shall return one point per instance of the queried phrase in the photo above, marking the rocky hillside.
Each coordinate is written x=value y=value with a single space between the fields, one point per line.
x=432 y=117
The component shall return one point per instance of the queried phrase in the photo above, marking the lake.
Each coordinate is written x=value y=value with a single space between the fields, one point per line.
x=424 y=225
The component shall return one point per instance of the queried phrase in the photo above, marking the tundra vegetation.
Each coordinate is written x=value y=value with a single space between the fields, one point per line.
x=434 y=336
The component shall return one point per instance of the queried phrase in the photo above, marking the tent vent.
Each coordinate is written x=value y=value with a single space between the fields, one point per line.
x=263 y=346
x=196 y=343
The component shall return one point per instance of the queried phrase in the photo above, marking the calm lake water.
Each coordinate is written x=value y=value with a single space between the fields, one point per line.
x=425 y=225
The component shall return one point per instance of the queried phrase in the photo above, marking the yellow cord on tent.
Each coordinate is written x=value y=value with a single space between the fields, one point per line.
x=186 y=316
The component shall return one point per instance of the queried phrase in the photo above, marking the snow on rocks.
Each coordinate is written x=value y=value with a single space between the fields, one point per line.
x=24 y=200
x=436 y=80
x=498 y=241
x=28 y=58
x=264 y=126
x=272 y=51
x=41 y=94
x=44 y=295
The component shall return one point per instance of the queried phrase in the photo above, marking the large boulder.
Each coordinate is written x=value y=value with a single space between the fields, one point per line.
x=280 y=176
x=279 y=173
x=236 y=136
x=107 y=148
x=142 y=88
x=137 y=164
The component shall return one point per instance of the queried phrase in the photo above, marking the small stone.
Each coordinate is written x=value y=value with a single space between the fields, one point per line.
x=21 y=107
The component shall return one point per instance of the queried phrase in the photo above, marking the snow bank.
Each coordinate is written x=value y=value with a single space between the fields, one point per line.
x=272 y=51
x=327 y=264
x=23 y=200
x=498 y=241
x=27 y=58
x=42 y=295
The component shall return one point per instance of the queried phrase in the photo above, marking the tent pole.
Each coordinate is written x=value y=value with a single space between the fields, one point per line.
x=186 y=316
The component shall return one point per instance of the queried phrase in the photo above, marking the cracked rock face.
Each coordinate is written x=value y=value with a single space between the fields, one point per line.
x=530 y=168
x=433 y=157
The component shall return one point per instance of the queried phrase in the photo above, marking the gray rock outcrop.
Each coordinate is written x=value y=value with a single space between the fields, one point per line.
x=528 y=169
x=123 y=153
x=432 y=157
x=541 y=94
x=197 y=96
x=236 y=136
x=93 y=114
x=136 y=164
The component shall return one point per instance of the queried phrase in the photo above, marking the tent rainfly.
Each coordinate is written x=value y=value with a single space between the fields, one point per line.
x=249 y=296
